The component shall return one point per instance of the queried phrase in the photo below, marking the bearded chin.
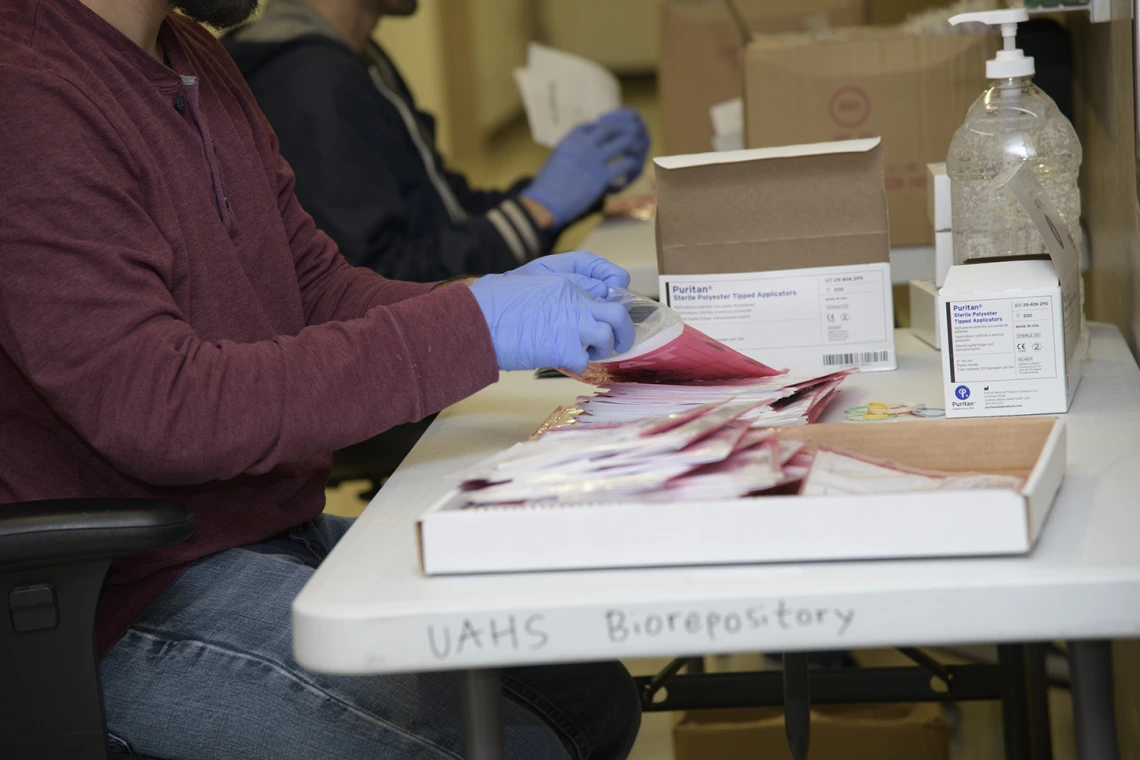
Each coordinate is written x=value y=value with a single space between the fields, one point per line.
x=220 y=14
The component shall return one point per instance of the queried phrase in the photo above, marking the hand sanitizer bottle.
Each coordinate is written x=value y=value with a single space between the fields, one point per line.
x=1012 y=122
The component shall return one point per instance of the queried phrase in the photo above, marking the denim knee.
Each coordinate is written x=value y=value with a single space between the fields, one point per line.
x=619 y=713
x=594 y=707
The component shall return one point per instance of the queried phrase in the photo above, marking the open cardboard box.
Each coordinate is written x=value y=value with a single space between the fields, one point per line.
x=457 y=539
x=838 y=732
x=781 y=253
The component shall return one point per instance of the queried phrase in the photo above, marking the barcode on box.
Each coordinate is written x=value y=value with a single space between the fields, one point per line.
x=856 y=359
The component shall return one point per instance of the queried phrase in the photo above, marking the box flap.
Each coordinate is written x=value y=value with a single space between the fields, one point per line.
x=996 y=276
x=770 y=209
x=759 y=154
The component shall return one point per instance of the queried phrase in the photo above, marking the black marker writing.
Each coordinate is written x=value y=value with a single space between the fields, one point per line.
x=718 y=624
x=539 y=636
x=501 y=634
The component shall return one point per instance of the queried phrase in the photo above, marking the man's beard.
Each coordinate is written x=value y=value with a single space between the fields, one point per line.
x=220 y=14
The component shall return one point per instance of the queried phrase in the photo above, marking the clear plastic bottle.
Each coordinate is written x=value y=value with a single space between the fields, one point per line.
x=1012 y=122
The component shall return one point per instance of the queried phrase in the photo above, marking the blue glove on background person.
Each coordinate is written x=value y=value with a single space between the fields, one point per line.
x=592 y=160
x=545 y=321
x=582 y=263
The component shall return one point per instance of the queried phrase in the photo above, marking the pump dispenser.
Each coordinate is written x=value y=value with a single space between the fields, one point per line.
x=1010 y=61
x=1013 y=122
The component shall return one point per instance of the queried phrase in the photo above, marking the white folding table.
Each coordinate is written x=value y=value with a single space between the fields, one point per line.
x=369 y=609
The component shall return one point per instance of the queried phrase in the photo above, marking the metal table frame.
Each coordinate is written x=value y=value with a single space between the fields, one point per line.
x=1018 y=680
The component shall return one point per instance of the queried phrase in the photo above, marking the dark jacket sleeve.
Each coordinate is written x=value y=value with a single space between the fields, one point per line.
x=481 y=201
x=478 y=201
x=320 y=102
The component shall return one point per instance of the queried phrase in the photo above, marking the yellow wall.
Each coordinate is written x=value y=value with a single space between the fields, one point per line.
x=500 y=30
x=1105 y=121
x=1110 y=206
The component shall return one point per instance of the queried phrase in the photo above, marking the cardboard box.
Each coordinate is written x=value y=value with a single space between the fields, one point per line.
x=1003 y=327
x=455 y=538
x=939 y=213
x=943 y=256
x=938 y=208
x=924 y=312
x=912 y=91
x=781 y=253
x=701 y=44
x=838 y=732
x=1011 y=328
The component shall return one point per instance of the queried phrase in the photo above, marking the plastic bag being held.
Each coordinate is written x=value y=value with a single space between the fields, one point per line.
x=666 y=350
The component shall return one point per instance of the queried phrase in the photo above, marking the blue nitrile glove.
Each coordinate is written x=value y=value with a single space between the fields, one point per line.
x=593 y=159
x=544 y=321
x=578 y=263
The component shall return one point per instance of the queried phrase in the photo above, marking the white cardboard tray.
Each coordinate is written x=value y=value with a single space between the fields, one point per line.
x=454 y=539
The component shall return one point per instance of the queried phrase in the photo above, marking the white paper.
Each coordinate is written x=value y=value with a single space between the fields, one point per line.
x=728 y=125
x=561 y=90
x=728 y=142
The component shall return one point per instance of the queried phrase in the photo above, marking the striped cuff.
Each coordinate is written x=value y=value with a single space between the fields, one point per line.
x=517 y=229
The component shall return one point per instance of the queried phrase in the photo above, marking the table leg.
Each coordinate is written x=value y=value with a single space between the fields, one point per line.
x=797 y=704
x=1014 y=702
x=483 y=713
x=1094 y=709
x=1037 y=687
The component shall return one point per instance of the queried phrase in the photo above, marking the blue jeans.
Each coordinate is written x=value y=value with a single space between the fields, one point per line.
x=208 y=672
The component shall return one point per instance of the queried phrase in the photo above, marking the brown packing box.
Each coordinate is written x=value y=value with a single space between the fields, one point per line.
x=700 y=55
x=770 y=210
x=840 y=732
x=912 y=91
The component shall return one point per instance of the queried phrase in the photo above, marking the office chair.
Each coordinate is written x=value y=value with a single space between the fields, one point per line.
x=375 y=459
x=53 y=557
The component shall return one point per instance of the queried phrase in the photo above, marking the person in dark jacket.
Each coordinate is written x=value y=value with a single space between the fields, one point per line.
x=366 y=160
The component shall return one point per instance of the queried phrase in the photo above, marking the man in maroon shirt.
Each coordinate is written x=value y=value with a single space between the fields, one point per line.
x=173 y=325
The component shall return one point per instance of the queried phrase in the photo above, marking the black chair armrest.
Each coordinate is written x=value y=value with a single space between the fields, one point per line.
x=66 y=530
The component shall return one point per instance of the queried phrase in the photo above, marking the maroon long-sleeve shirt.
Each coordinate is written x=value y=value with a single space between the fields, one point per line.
x=171 y=322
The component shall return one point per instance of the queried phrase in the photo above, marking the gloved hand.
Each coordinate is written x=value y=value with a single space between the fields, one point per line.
x=543 y=321
x=582 y=264
x=590 y=161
